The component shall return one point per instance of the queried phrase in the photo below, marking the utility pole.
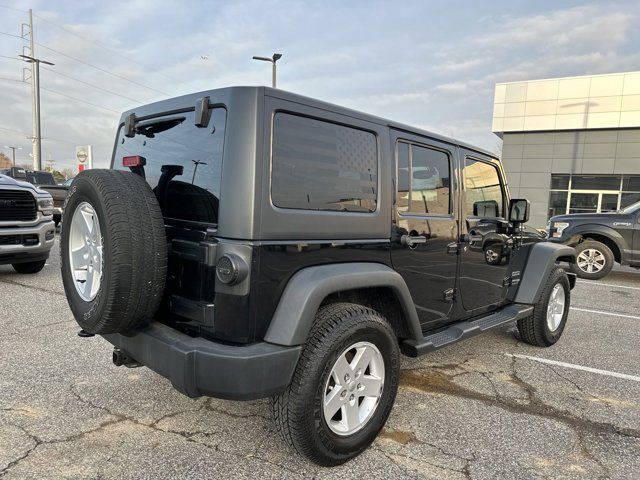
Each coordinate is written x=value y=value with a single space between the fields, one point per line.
x=13 y=152
x=35 y=75
x=273 y=60
x=35 y=136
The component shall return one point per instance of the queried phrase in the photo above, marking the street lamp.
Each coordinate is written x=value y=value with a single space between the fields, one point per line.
x=273 y=60
x=13 y=152
x=36 y=81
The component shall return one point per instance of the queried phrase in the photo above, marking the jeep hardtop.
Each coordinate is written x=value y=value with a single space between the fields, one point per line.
x=248 y=242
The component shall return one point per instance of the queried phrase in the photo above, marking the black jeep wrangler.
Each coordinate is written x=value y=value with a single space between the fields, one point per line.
x=250 y=243
x=600 y=239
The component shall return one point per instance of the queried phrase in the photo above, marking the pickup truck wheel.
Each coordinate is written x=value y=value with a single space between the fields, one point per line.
x=29 y=267
x=113 y=251
x=344 y=386
x=545 y=326
x=594 y=260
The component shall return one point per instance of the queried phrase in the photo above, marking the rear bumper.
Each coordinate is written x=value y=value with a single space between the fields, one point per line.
x=20 y=253
x=198 y=367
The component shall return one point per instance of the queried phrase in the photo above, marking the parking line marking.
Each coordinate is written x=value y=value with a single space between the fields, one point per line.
x=581 y=282
x=608 y=373
x=635 y=317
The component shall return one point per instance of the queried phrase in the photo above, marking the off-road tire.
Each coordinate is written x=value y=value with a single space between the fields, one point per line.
x=29 y=267
x=298 y=413
x=534 y=329
x=602 y=248
x=134 y=251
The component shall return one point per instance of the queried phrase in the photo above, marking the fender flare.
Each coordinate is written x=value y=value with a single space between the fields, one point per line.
x=542 y=258
x=603 y=230
x=308 y=287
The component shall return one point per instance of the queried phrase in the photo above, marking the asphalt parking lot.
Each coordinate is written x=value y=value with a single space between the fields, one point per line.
x=489 y=407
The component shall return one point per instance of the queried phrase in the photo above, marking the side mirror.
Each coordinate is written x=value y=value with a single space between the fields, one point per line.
x=519 y=210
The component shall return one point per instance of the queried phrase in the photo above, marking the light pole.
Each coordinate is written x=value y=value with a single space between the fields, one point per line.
x=273 y=60
x=13 y=152
x=36 y=80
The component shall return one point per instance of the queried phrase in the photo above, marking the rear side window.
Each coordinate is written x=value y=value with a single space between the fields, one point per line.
x=424 y=180
x=483 y=190
x=183 y=163
x=318 y=165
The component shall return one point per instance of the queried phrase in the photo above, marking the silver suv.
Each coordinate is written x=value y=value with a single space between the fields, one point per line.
x=26 y=225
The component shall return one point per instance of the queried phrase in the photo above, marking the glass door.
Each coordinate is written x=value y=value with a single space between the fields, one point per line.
x=593 y=202
x=608 y=202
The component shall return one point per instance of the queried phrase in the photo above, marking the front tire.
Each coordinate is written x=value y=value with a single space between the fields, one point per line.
x=594 y=260
x=545 y=326
x=344 y=385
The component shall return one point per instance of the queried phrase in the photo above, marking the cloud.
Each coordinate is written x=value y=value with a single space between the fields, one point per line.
x=406 y=64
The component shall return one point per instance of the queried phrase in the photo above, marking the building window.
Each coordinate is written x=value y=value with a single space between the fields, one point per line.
x=318 y=165
x=423 y=180
x=592 y=193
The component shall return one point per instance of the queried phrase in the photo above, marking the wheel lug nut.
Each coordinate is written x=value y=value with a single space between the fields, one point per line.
x=347 y=377
x=343 y=394
x=351 y=398
x=358 y=373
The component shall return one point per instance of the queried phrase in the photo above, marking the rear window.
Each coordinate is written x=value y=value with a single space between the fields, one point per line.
x=183 y=163
x=318 y=165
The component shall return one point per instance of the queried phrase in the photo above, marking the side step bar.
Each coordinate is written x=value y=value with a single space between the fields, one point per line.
x=465 y=329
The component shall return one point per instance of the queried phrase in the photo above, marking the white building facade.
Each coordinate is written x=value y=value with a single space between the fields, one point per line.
x=571 y=145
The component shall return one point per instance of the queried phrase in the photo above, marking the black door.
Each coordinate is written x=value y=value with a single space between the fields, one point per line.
x=424 y=227
x=484 y=247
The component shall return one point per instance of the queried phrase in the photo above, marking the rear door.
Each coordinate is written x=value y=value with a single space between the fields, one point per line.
x=424 y=229
x=484 y=247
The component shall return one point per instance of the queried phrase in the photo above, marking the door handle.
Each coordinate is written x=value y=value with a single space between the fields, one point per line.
x=412 y=240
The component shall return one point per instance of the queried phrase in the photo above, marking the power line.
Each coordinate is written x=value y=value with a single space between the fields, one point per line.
x=12 y=8
x=12 y=35
x=11 y=58
x=105 y=47
x=65 y=95
x=51 y=139
x=92 y=85
x=102 y=69
x=80 y=100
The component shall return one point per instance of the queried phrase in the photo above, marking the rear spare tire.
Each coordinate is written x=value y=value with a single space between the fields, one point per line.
x=113 y=251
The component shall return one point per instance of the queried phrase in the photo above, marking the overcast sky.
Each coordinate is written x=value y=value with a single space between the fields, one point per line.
x=432 y=64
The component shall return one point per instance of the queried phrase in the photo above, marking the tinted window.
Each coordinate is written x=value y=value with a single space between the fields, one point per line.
x=483 y=191
x=584 y=182
x=317 y=165
x=43 y=178
x=631 y=184
x=404 y=182
x=183 y=163
x=559 y=182
x=557 y=203
x=424 y=187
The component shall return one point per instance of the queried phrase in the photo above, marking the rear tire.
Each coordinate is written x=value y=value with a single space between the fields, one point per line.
x=594 y=256
x=302 y=413
x=29 y=267
x=545 y=326
x=127 y=258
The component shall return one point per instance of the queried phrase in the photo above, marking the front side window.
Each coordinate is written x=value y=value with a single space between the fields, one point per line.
x=424 y=180
x=483 y=190
x=318 y=165
x=183 y=163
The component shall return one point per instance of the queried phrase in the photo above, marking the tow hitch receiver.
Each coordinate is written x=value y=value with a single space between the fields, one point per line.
x=120 y=358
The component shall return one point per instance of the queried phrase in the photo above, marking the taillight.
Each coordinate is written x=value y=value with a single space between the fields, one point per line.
x=134 y=161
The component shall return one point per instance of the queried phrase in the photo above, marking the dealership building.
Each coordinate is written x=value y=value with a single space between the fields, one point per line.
x=571 y=145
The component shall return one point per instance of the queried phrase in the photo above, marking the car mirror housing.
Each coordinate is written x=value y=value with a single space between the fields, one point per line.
x=519 y=210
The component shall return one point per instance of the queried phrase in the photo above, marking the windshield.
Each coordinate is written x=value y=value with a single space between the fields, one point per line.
x=631 y=208
x=183 y=163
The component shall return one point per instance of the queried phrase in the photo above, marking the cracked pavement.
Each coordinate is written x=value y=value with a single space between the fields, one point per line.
x=465 y=412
